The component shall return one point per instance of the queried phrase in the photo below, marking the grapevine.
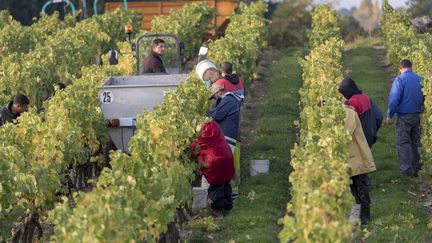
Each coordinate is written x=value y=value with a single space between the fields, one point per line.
x=245 y=36
x=141 y=193
x=320 y=181
x=402 y=42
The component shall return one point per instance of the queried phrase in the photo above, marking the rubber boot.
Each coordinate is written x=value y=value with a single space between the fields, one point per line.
x=365 y=216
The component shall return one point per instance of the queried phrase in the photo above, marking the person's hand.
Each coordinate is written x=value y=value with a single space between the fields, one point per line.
x=388 y=121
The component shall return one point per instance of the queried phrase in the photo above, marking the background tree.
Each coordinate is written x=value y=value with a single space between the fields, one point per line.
x=420 y=8
x=290 y=23
x=368 y=15
x=25 y=10
x=350 y=27
x=376 y=13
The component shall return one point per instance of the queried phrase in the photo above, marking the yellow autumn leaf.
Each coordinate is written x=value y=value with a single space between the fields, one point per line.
x=22 y=131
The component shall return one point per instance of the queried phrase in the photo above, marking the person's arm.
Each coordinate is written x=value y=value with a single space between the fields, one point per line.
x=221 y=111
x=394 y=97
x=146 y=66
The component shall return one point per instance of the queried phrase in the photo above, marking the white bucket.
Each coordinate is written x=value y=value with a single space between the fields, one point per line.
x=200 y=198
x=207 y=70
x=259 y=167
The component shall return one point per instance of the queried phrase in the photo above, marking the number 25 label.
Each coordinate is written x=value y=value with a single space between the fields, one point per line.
x=106 y=97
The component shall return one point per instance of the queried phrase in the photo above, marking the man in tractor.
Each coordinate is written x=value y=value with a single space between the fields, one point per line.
x=153 y=63
x=12 y=110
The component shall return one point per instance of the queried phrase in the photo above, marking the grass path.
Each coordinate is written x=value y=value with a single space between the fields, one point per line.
x=398 y=214
x=263 y=198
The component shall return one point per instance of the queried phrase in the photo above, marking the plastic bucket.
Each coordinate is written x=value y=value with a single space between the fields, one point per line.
x=207 y=70
x=200 y=198
x=259 y=167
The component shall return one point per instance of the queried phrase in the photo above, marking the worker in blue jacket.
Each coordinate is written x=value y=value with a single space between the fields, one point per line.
x=406 y=101
x=226 y=113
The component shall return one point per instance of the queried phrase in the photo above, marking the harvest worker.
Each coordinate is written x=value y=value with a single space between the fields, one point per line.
x=406 y=101
x=226 y=113
x=360 y=163
x=216 y=162
x=13 y=109
x=230 y=81
x=371 y=118
x=113 y=57
x=153 y=63
x=368 y=112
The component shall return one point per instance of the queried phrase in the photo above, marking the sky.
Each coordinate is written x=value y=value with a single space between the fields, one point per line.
x=351 y=3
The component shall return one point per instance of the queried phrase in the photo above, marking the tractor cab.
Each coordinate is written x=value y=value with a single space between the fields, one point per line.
x=124 y=98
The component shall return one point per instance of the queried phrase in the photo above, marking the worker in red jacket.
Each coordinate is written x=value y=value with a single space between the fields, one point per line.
x=230 y=81
x=216 y=161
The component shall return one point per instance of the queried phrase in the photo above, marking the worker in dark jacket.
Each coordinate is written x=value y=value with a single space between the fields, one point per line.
x=11 y=111
x=360 y=163
x=368 y=112
x=153 y=63
x=232 y=82
x=371 y=119
x=113 y=57
x=226 y=113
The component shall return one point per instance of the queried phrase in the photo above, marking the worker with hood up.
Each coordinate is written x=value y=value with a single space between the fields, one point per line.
x=368 y=112
x=370 y=118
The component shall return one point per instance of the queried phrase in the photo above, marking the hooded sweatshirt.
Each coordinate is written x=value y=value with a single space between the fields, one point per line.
x=369 y=114
x=232 y=83
x=214 y=154
x=360 y=159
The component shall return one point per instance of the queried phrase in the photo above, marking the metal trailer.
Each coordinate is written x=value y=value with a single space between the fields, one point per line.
x=124 y=98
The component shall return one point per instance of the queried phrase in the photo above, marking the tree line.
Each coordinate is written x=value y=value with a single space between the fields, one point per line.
x=291 y=20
